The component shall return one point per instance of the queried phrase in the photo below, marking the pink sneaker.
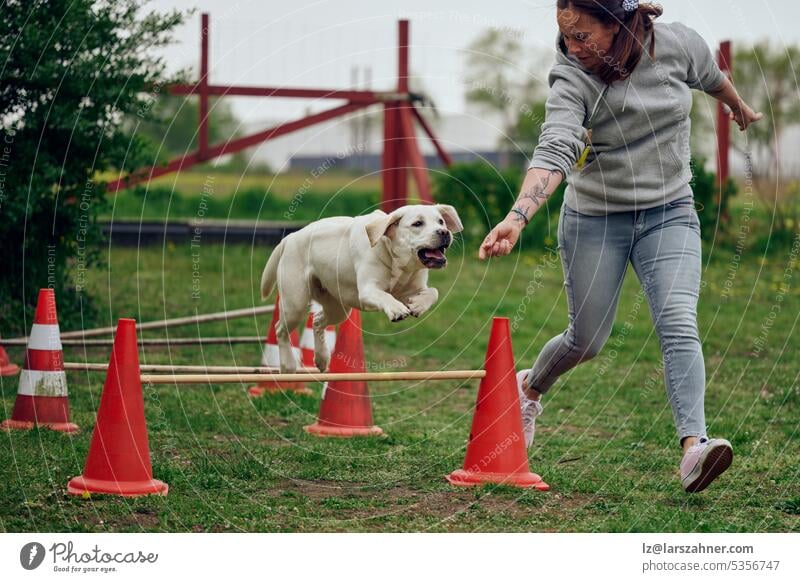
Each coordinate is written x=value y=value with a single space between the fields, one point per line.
x=703 y=462
x=530 y=409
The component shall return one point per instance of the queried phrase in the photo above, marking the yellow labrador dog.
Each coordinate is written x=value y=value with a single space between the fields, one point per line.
x=376 y=262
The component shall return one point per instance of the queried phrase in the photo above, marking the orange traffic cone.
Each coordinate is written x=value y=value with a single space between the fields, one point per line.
x=346 y=409
x=118 y=462
x=496 y=448
x=42 y=395
x=6 y=367
x=307 y=339
x=271 y=357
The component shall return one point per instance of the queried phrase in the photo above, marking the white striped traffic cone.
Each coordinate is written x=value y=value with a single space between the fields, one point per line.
x=271 y=358
x=307 y=339
x=42 y=395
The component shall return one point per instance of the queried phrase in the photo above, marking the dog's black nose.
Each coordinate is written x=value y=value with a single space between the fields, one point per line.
x=444 y=236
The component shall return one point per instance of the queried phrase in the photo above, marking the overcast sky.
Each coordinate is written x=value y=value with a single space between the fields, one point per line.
x=304 y=43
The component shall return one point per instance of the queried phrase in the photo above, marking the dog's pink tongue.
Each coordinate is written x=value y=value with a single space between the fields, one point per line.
x=434 y=254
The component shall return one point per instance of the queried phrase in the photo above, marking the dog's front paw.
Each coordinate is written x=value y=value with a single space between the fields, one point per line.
x=397 y=312
x=422 y=301
x=417 y=308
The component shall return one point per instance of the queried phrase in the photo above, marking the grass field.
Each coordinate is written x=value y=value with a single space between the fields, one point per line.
x=299 y=196
x=286 y=184
x=606 y=442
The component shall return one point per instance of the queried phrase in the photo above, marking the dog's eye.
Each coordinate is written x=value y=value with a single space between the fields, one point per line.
x=441 y=221
x=418 y=223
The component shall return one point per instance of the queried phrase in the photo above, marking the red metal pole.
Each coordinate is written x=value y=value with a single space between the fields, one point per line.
x=723 y=128
x=418 y=169
x=402 y=57
x=443 y=155
x=402 y=87
x=203 y=88
x=389 y=159
x=395 y=179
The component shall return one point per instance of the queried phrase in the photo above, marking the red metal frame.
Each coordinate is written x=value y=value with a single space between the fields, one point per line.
x=723 y=127
x=203 y=89
x=400 y=145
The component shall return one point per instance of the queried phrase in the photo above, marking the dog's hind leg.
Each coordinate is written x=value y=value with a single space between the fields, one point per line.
x=293 y=308
x=332 y=313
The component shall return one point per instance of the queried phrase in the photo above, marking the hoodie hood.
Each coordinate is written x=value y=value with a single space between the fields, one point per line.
x=564 y=58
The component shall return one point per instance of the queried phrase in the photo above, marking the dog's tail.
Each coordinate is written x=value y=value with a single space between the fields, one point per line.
x=270 y=274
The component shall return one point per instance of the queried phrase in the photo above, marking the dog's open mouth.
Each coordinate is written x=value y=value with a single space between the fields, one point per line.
x=433 y=258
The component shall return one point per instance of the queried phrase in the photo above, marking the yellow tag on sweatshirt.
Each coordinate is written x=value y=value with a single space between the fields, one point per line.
x=585 y=153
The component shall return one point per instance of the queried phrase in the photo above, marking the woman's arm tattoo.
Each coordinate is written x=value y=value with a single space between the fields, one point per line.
x=520 y=215
x=538 y=193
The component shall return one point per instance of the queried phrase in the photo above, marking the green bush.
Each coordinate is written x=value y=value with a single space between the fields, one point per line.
x=74 y=73
x=777 y=221
x=483 y=195
x=709 y=209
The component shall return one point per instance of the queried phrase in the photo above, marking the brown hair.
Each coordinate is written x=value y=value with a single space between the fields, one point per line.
x=626 y=49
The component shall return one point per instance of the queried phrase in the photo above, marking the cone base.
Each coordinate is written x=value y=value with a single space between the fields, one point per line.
x=276 y=387
x=9 y=370
x=464 y=478
x=85 y=485
x=65 y=427
x=322 y=430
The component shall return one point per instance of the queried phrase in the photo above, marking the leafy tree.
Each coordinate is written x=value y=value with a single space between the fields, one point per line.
x=499 y=80
x=70 y=72
x=173 y=126
x=524 y=134
x=763 y=74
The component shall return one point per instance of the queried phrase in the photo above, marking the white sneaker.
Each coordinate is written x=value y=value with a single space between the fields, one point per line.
x=703 y=462
x=530 y=410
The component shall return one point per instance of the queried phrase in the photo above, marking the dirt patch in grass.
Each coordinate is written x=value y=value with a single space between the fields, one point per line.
x=443 y=505
x=322 y=489
x=146 y=519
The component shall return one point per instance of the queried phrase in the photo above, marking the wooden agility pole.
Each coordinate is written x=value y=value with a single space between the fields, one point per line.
x=176 y=341
x=311 y=377
x=265 y=370
x=161 y=324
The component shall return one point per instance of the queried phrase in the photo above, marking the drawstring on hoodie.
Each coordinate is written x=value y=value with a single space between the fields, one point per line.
x=625 y=95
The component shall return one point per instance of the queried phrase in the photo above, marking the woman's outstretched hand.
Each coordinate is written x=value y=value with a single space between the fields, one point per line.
x=500 y=240
x=743 y=115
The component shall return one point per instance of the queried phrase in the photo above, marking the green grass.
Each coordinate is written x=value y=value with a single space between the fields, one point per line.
x=212 y=194
x=606 y=443
x=226 y=184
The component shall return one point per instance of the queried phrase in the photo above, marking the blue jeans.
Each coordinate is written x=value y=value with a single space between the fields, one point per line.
x=663 y=245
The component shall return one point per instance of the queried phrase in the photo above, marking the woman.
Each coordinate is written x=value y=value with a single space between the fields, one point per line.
x=618 y=113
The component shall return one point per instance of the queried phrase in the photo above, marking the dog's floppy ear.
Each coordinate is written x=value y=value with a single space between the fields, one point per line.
x=450 y=216
x=383 y=225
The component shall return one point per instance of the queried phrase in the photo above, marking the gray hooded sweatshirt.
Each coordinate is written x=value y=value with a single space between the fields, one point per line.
x=639 y=155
